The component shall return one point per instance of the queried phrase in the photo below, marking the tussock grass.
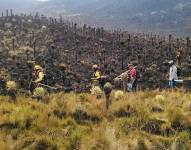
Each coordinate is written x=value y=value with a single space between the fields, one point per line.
x=145 y=120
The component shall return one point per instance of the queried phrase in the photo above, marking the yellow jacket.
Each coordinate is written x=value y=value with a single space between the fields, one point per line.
x=97 y=75
x=40 y=77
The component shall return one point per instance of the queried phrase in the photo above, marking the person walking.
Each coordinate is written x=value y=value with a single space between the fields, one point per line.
x=133 y=78
x=172 y=74
x=96 y=75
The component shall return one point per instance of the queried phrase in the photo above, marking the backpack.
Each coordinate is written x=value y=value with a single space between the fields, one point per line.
x=139 y=75
x=179 y=71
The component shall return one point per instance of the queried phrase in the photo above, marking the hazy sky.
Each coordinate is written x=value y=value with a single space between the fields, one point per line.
x=42 y=0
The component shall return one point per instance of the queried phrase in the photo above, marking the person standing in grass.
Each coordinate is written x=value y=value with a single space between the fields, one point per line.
x=96 y=75
x=38 y=90
x=172 y=74
x=38 y=76
x=133 y=78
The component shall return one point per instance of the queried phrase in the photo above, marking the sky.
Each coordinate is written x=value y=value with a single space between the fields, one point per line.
x=42 y=0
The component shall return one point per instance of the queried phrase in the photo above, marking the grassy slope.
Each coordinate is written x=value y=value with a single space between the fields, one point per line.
x=70 y=121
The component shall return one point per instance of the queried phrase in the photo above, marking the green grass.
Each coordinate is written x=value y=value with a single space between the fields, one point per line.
x=146 y=120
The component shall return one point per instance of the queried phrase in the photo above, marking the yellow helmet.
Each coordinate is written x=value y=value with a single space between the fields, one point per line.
x=63 y=66
x=37 y=67
x=31 y=62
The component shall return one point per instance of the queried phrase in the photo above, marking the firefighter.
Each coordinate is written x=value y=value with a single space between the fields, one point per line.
x=39 y=74
x=96 y=75
x=37 y=89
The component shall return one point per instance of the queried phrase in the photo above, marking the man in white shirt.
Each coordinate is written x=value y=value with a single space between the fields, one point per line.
x=172 y=74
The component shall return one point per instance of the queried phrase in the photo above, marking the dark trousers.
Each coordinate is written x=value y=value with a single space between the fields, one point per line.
x=134 y=86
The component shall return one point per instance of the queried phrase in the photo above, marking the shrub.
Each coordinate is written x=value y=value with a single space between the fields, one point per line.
x=118 y=95
x=141 y=145
x=43 y=144
x=97 y=91
x=74 y=140
x=11 y=85
x=122 y=109
x=127 y=125
x=36 y=143
x=88 y=115
x=39 y=92
x=108 y=88
x=25 y=119
x=96 y=141
x=160 y=98
x=177 y=118
x=182 y=142
x=167 y=130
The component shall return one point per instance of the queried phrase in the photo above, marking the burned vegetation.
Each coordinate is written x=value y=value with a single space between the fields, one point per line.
x=67 y=51
x=106 y=119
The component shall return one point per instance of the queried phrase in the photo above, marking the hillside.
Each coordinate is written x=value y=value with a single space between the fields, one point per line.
x=160 y=16
x=66 y=116
x=69 y=121
x=145 y=15
x=164 y=16
x=26 y=38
